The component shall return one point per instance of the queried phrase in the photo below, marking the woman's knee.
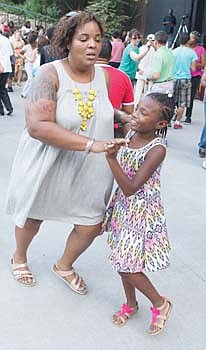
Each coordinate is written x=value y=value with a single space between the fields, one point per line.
x=93 y=230
x=32 y=225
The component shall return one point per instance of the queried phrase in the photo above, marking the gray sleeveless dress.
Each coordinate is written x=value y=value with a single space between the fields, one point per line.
x=49 y=183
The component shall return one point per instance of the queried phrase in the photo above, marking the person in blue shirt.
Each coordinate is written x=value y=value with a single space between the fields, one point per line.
x=184 y=62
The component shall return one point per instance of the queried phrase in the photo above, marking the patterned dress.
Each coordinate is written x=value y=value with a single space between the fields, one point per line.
x=136 y=224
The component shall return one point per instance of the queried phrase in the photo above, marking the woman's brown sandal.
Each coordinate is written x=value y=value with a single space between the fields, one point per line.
x=160 y=316
x=77 y=284
x=22 y=274
x=122 y=316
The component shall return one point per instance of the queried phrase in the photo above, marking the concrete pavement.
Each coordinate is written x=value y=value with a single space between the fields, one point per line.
x=50 y=316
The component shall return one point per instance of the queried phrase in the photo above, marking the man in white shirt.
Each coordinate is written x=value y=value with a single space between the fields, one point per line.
x=145 y=70
x=5 y=69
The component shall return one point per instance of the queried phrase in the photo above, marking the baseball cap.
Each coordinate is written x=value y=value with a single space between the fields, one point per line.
x=150 y=37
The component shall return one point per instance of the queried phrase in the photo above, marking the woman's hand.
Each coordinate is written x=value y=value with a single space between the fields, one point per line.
x=111 y=146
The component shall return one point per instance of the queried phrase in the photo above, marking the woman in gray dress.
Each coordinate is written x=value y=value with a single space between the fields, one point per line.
x=60 y=157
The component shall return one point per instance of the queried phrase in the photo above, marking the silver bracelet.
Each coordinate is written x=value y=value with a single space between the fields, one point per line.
x=89 y=145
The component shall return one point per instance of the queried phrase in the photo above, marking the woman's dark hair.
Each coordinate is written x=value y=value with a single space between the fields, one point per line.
x=42 y=41
x=167 y=106
x=184 y=38
x=32 y=37
x=134 y=33
x=106 y=49
x=66 y=28
x=50 y=32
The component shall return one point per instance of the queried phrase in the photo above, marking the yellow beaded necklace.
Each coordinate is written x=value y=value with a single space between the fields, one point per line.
x=85 y=110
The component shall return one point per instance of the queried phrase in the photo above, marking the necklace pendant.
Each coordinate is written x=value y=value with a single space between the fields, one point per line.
x=85 y=110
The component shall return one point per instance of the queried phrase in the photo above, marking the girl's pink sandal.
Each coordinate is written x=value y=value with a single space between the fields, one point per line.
x=160 y=316
x=122 y=316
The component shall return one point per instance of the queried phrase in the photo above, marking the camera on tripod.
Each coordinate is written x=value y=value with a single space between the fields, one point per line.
x=185 y=16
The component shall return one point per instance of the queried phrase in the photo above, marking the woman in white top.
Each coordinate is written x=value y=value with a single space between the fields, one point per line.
x=60 y=171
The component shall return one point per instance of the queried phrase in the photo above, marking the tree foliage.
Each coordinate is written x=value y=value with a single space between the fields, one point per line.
x=115 y=14
x=112 y=13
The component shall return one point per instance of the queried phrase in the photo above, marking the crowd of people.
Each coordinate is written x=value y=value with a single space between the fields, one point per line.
x=98 y=109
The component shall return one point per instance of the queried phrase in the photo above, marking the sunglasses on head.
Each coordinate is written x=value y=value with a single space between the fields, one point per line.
x=72 y=14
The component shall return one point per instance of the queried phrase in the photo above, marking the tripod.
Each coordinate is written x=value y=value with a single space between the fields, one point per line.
x=182 y=29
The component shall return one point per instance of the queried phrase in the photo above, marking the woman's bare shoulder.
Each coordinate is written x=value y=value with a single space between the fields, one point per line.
x=45 y=84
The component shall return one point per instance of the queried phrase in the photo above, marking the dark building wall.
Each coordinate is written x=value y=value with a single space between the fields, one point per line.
x=157 y=9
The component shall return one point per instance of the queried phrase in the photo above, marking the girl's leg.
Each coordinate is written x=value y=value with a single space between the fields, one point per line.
x=161 y=306
x=142 y=283
x=78 y=241
x=24 y=237
x=120 y=318
x=129 y=292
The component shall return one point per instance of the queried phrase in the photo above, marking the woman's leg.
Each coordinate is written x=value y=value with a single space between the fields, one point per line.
x=78 y=241
x=19 y=74
x=24 y=237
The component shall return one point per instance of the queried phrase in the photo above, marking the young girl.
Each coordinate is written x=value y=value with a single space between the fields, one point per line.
x=135 y=217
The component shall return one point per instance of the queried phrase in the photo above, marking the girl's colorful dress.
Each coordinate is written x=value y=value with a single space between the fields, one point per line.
x=136 y=224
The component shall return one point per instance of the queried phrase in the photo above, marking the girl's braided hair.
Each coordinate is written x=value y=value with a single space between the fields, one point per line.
x=65 y=30
x=167 y=107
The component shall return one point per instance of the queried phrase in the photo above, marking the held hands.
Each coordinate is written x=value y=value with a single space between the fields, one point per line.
x=111 y=146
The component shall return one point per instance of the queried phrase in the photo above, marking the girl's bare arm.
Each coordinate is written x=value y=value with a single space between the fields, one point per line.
x=129 y=186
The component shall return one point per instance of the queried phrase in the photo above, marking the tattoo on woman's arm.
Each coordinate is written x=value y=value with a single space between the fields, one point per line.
x=43 y=88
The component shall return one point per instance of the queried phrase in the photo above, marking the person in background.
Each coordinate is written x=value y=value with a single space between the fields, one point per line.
x=202 y=142
x=194 y=43
x=117 y=50
x=11 y=27
x=123 y=101
x=4 y=27
x=184 y=62
x=162 y=66
x=5 y=69
x=12 y=59
x=18 y=44
x=30 y=52
x=131 y=55
x=25 y=30
x=169 y=23
x=145 y=70
x=46 y=54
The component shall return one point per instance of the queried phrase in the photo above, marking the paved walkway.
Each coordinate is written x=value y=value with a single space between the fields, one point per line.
x=50 y=316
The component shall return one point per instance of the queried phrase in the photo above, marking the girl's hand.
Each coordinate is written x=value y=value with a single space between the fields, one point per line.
x=111 y=146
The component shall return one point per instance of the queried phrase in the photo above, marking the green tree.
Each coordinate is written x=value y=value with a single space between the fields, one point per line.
x=112 y=13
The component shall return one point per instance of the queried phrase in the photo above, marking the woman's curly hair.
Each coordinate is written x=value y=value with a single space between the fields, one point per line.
x=65 y=30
